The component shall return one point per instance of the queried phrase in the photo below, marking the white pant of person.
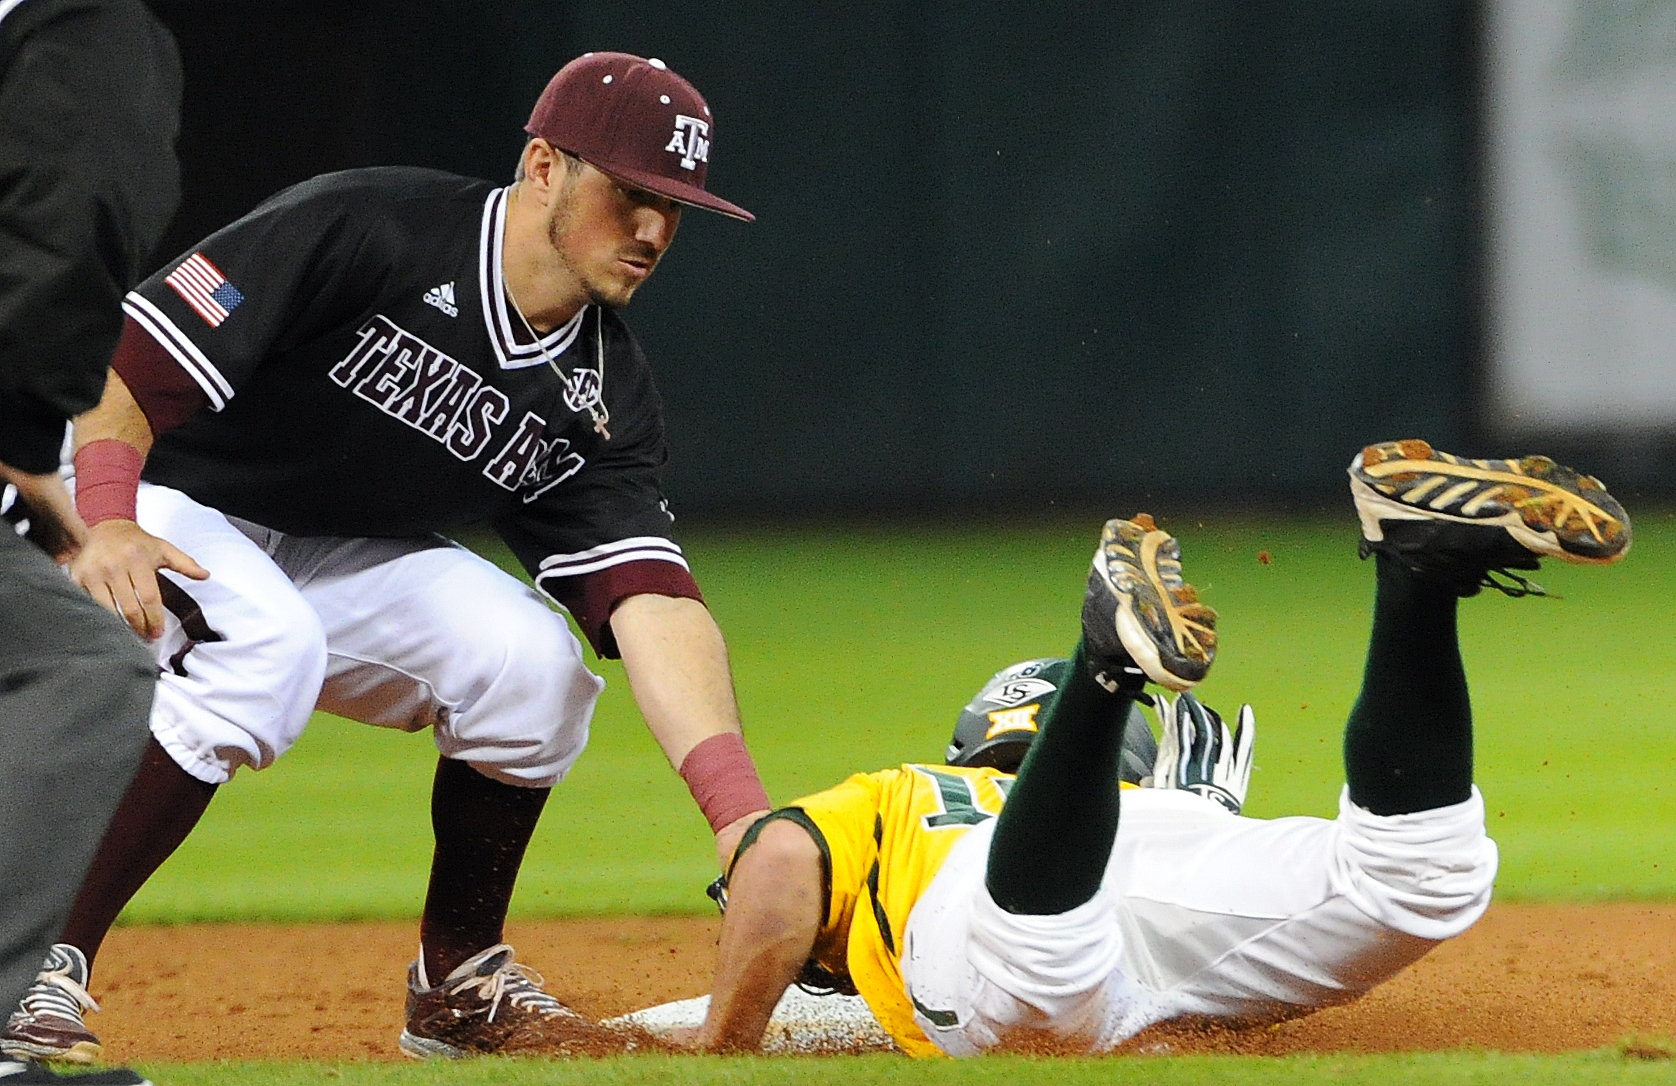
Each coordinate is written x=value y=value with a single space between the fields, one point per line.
x=1201 y=914
x=399 y=633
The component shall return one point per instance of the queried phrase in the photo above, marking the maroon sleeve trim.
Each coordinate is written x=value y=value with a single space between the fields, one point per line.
x=591 y=597
x=166 y=393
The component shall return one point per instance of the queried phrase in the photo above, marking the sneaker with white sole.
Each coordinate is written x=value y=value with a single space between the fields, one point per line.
x=1140 y=621
x=1468 y=523
x=489 y=1003
x=48 y=1023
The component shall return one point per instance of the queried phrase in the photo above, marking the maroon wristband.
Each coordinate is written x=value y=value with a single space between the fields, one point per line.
x=722 y=778
x=107 y=480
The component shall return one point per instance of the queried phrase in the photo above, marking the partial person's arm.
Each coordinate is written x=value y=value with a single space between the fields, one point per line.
x=54 y=525
x=74 y=231
x=773 y=916
x=677 y=666
x=119 y=560
x=88 y=182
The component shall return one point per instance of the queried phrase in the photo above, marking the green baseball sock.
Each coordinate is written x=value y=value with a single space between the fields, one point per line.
x=1408 y=742
x=1054 y=836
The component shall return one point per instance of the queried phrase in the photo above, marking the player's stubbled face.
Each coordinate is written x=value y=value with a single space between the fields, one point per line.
x=610 y=235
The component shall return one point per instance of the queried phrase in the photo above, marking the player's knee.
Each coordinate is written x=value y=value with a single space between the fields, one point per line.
x=524 y=697
x=279 y=668
x=243 y=695
x=294 y=642
x=1428 y=874
x=525 y=655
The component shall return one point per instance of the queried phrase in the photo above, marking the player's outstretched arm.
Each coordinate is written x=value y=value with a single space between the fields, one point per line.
x=773 y=914
x=119 y=560
x=677 y=666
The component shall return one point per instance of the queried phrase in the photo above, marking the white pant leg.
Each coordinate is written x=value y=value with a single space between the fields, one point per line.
x=1261 y=919
x=242 y=699
x=982 y=978
x=1201 y=913
x=424 y=633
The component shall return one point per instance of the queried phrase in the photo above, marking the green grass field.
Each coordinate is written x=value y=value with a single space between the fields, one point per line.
x=855 y=648
x=1604 y=1068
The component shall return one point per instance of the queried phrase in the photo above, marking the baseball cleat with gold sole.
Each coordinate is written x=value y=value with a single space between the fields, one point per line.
x=1140 y=620
x=1462 y=520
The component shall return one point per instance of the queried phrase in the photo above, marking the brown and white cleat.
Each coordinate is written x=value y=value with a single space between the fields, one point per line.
x=1462 y=520
x=49 y=1023
x=1141 y=622
x=489 y=1003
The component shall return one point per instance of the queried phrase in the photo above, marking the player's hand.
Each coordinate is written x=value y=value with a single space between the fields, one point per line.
x=118 y=567
x=54 y=524
x=1199 y=753
x=728 y=837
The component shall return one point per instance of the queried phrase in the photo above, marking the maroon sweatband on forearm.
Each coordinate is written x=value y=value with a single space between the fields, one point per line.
x=107 y=480
x=723 y=779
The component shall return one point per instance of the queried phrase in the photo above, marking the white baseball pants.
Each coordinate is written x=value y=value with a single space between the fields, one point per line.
x=1202 y=913
x=399 y=633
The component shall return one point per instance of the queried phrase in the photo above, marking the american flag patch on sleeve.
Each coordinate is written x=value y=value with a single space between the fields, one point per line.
x=205 y=289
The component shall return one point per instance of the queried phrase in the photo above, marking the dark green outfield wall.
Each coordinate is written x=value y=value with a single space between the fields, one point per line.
x=1006 y=252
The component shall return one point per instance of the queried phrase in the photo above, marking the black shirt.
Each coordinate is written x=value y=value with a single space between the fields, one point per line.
x=89 y=110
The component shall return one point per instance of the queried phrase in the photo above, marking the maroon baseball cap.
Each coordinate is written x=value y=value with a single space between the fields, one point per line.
x=636 y=120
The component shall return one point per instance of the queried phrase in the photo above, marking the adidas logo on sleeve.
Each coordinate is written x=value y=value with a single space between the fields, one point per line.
x=443 y=298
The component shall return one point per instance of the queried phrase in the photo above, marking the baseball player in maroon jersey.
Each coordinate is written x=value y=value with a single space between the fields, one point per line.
x=301 y=409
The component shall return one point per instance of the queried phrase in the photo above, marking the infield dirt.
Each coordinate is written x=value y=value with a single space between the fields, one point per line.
x=1532 y=978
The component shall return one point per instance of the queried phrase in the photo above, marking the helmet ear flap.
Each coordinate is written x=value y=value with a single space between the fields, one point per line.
x=997 y=726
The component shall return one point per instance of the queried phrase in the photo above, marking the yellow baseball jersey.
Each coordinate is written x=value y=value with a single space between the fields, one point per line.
x=885 y=835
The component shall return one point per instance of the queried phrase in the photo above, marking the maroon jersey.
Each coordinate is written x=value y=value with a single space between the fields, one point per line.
x=362 y=373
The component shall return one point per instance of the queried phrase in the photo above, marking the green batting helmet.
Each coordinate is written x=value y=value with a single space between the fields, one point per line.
x=1000 y=722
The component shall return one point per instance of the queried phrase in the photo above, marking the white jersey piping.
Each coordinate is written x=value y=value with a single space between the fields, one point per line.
x=196 y=364
x=497 y=316
x=634 y=549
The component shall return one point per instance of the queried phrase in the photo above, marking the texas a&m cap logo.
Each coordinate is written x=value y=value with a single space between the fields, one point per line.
x=635 y=119
x=691 y=141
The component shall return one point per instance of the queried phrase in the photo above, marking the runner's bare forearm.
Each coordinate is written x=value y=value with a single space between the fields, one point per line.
x=773 y=916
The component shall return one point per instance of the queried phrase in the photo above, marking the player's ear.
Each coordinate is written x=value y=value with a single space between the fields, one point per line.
x=539 y=165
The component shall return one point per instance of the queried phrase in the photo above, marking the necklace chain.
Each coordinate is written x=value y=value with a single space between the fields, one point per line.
x=594 y=405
